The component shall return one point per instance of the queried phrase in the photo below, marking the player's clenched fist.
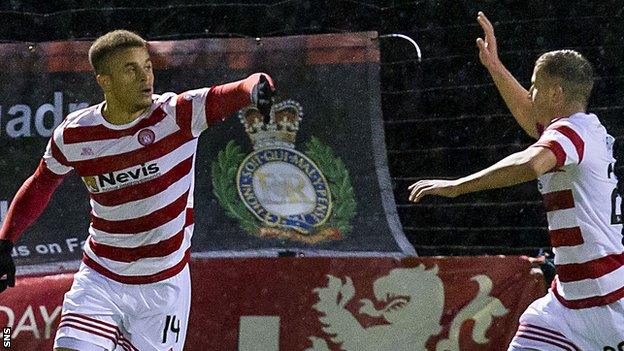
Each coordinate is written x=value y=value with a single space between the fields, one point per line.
x=488 y=50
x=262 y=94
x=440 y=187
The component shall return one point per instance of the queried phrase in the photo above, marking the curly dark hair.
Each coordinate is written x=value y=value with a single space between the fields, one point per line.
x=109 y=43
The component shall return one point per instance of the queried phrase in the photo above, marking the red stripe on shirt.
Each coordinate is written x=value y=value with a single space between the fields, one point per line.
x=190 y=217
x=144 y=190
x=184 y=113
x=143 y=223
x=101 y=132
x=107 y=164
x=122 y=254
x=558 y=200
x=58 y=155
x=131 y=254
x=576 y=140
x=590 y=301
x=138 y=279
x=556 y=148
x=591 y=269
x=566 y=237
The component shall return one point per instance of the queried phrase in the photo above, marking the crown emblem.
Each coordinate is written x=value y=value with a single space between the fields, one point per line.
x=281 y=131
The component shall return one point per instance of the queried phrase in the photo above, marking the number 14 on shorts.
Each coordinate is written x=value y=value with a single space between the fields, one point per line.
x=172 y=324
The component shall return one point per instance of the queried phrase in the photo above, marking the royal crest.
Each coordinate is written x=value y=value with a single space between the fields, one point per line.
x=277 y=191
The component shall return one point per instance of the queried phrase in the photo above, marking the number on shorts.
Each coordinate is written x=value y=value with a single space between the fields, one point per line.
x=170 y=325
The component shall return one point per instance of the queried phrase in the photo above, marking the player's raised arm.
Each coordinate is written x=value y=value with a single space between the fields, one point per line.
x=29 y=202
x=515 y=95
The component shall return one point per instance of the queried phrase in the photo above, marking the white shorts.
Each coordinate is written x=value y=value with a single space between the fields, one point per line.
x=548 y=325
x=101 y=314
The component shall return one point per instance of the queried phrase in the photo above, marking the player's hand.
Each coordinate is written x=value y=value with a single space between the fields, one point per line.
x=262 y=96
x=439 y=187
x=488 y=50
x=7 y=267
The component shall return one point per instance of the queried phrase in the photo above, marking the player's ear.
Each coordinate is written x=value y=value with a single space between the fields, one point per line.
x=103 y=81
x=556 y=94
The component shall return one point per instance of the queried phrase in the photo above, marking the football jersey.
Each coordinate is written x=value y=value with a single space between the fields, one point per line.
x=140 y=178
x=580 y=199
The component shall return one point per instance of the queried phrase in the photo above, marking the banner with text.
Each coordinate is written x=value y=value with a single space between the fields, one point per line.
x=313 y=181
x=320 y=304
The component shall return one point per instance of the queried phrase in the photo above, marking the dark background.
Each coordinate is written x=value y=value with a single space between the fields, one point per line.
x=443 y=116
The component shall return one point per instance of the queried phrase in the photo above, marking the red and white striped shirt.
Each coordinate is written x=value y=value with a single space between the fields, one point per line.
x=579 y=196
x=140 y=177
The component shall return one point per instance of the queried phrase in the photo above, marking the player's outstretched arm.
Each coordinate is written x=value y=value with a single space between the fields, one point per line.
x=514 y=169
x=515 y=95
x=224 y=100
x=29 y=202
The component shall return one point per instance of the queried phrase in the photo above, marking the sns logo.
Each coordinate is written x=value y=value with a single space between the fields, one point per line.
x=6 y=337
x=120 y=179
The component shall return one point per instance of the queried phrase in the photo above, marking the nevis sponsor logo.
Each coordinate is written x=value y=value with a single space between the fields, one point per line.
x=120 y=179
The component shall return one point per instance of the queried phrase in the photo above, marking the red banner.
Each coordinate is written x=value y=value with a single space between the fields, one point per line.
x=313 y=304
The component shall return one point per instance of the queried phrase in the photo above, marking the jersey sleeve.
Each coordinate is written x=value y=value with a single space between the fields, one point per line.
x=565 y=140
x=29 y=202
x=198 y=109
x=191 y=111
x=53 y=157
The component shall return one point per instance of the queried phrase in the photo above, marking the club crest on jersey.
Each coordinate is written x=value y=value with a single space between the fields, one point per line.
x=146 y=137
x=279 y=192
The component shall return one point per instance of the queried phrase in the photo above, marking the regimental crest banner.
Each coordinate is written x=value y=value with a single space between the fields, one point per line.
x=304 y=197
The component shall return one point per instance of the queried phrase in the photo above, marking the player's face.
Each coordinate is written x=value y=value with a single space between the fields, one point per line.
x=539 y=96
x=131 y=79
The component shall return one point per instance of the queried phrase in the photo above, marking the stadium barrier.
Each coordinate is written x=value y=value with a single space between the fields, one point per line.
x=317 y=303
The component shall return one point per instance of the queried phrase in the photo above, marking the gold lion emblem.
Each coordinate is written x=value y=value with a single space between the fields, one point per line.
x=91 y=184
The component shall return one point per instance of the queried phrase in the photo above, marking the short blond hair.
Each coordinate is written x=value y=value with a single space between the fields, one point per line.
x=109 y=43
x=575 y=73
